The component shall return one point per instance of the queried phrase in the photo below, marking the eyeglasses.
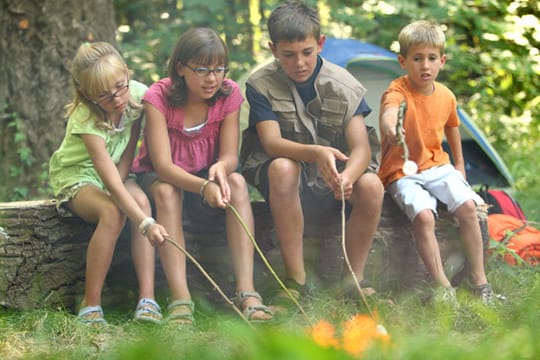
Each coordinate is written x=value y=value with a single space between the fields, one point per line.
x=204 y=71
x=107 y=99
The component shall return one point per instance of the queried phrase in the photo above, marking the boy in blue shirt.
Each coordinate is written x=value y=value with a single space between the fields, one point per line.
x=307 y=140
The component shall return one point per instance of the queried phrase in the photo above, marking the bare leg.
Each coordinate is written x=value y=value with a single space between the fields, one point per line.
x=428 y=247
x=367 y=199
x=143 y=252
x=287 y=214
x=168 y=201
x=96 y=206
x=242 y=248
x=471 y=234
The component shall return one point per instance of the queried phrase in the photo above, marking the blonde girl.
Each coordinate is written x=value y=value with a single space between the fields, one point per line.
x=89 y=173
x=190 y=153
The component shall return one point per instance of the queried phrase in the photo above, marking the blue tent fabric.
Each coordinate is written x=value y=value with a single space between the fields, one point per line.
x=343 y=51
x=483 y=164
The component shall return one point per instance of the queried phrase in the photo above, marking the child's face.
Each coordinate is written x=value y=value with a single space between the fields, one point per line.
x=116 y=99
x=298 y=58
x=422 y=63
x=202 y=81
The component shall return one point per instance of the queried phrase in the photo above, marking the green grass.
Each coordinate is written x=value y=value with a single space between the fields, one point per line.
x=510 y=330
x=417 y=330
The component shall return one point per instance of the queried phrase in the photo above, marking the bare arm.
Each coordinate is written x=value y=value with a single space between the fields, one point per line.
x=276 y=146
x=110 y=175
x=359 y=158
x=124 y=165
x=454 y=141
x=227 y=162
x=387 y=123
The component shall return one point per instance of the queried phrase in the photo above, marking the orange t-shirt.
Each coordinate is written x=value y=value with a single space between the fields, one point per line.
x=425 y=120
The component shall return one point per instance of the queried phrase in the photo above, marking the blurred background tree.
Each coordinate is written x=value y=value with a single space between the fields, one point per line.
x=38 y=38
x=493 y=58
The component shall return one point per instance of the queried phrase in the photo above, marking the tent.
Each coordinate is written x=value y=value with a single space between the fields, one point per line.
x=375 y=67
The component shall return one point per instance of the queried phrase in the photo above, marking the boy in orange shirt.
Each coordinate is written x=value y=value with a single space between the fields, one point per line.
x=430 y=115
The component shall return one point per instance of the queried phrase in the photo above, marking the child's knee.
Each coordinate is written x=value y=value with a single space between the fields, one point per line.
x=466 y=210
x=369 y=190
x=371 y=184
x=112 y=217
x=425 y=218
x=142 y=200
x=283 y=169
x=164 y=192
x=236 y=181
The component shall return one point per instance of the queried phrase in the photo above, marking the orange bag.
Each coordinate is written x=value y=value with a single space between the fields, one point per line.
x=516 y=235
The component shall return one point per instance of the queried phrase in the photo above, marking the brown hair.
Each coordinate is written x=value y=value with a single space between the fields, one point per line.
x=202 y=46
x=293 y=20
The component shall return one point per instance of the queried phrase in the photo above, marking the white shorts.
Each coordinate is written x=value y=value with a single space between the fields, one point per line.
x=421 y=191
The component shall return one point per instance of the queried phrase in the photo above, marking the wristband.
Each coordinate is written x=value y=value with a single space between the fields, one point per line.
x=203 y=186
x=145 y=224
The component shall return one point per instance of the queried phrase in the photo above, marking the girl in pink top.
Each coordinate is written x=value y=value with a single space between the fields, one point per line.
x=190 y=152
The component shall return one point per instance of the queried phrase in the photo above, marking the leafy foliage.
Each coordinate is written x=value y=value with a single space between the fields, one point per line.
x=492 y=46
x=493 y=65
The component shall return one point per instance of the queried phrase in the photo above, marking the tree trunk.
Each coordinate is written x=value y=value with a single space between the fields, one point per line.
x=38 y=38
x=42 y=256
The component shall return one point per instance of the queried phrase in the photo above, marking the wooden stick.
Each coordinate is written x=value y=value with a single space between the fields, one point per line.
x=252 y=238
x=209 y=278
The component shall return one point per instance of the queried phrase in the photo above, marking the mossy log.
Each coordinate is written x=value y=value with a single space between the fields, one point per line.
x=42 y=255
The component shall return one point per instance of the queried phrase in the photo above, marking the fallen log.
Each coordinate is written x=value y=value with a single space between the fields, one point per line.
x=42 y=255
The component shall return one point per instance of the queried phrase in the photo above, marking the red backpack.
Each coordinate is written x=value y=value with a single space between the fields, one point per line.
x=521 y=239
x=501 y=202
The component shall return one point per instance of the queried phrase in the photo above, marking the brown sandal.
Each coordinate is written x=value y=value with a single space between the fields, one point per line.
x=249 y=310
x=181 y=312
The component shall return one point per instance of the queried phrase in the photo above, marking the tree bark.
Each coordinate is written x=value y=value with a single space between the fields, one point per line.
x=42 y=255
x=38 y=38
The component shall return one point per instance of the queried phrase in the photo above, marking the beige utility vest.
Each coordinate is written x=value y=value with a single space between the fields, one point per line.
x=322 y=121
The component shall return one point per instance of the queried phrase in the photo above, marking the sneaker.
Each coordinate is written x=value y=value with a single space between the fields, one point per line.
x=485 y=294
x=446 y=296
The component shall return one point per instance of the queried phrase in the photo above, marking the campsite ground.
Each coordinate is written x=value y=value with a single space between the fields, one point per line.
x=416 y=329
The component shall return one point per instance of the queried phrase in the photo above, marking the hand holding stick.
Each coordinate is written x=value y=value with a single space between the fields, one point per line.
x=409 y=166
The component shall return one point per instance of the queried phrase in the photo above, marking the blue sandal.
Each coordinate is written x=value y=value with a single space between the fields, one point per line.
x=92 y=315
x=148 y=311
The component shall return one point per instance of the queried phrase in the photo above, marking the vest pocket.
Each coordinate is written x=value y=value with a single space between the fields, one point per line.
x=330 y=124
x=289 y=122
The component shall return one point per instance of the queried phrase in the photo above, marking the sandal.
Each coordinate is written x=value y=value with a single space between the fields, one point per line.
x=248 y=311
x=91 y=315
x=181 y=312
x=295 y=289
x=282 y=303
x=148 y=311
x=351 y=290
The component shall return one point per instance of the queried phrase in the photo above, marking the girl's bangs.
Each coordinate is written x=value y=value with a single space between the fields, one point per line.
x=103 y=77
x=211 y=55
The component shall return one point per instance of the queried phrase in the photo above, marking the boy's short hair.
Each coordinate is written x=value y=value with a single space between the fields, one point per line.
x=293 y=20
x=421 y=32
